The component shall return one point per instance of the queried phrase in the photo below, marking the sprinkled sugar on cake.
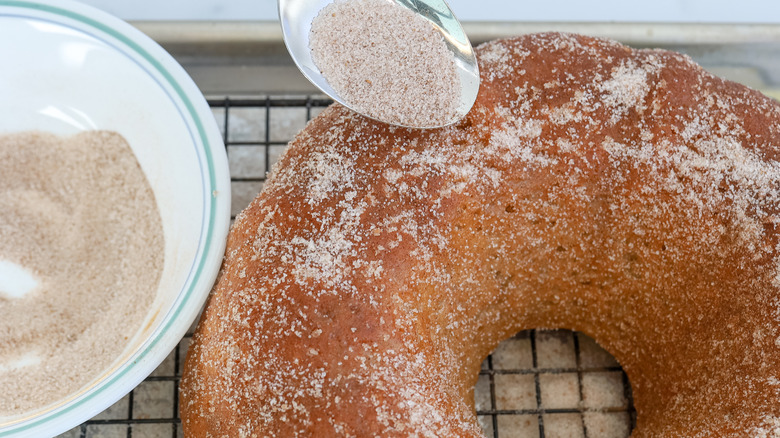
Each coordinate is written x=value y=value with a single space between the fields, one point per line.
x=624 y=193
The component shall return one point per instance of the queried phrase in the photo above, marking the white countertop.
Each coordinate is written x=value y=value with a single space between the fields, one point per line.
x=695 y=11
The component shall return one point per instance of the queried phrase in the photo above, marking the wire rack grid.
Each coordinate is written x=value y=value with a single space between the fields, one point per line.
x=538 y=384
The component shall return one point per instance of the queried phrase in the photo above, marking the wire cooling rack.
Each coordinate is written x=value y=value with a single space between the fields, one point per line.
x=538 y=384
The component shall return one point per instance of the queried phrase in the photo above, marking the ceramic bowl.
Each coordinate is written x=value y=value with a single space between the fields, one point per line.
x=67 y=67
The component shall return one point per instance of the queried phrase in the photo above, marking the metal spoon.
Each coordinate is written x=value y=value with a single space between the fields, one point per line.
x=296 y=17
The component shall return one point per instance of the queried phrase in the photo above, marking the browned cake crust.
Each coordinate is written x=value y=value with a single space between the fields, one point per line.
x=625 y=193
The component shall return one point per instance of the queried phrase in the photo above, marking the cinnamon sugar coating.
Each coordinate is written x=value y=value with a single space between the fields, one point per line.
x=624 y=193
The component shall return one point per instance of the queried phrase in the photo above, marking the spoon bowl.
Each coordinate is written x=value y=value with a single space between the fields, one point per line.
x=296 y=18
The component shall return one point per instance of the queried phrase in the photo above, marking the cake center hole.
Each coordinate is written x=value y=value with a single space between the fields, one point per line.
x=547 y=381
x=15 y=280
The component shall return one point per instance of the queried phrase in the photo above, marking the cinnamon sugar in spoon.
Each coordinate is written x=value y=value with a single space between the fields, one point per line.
x=403 y=62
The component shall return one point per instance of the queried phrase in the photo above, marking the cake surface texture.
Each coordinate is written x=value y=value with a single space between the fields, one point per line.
x=624 y=193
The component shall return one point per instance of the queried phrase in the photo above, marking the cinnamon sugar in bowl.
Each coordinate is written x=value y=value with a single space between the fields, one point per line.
x=114 y=204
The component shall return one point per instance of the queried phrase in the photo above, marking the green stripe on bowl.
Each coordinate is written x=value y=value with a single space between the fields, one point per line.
x=201 y=131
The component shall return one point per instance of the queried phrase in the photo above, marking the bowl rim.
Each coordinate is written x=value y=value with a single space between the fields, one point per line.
x=197 y=116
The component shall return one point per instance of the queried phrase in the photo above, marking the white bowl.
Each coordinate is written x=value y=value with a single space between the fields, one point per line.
x=67 y=67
